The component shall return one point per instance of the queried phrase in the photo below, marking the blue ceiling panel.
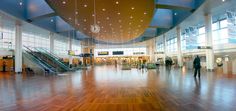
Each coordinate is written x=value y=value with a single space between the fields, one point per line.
x=179 y=16
x=81 y=35
x=14 y=8
x=46 y=24
x=150 y=32
x=163 y=18
x=183 y=3
x=37 y=8
x=61 y=25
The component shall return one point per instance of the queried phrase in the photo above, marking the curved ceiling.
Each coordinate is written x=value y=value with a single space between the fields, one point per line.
x=167 y=14
x=119 y=20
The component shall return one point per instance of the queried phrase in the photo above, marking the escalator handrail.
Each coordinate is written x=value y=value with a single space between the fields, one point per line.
x=45 y=66
x=35 y=56
x=56 y=59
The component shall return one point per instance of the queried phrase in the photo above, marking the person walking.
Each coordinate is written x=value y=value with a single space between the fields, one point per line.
x=197 y=66
x=4 y=65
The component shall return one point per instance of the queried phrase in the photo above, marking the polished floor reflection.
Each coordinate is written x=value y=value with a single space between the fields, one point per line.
x=106 y=88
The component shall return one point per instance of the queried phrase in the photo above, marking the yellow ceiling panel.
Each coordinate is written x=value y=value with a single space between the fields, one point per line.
x=119 y=20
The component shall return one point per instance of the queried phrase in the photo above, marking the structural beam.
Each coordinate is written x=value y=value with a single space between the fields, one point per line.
x=173 y=7
x=42 y=17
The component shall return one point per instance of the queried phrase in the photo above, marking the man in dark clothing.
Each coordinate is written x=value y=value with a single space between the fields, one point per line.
x=197 y=66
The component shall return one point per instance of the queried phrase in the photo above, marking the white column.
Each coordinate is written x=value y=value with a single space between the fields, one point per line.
x=150 y=50
x=51 y=38
x=18 y=48
x=180 y=59
x=165 y=50
x=70 y=48
x=209 y=52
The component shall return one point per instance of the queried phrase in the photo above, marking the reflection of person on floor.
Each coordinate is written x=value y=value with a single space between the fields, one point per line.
x=4 y=65
x=197 y=66
x=115 y=63
x=158 y=64
x=146 y=66
x=168 y=62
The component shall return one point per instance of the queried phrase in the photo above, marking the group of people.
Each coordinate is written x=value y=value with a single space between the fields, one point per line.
x=196 y=65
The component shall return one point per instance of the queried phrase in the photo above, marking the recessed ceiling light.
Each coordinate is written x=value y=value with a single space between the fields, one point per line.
x=108 y=18
x=145 y=13
x=85 y=5
x=117 y=2
x=119 y=21
x=141 y=20
x=76 y=12
x=78 y=24
x=131 y=17
x=51 y=20
x=130 y=23
x=21 y=3
x=118 y=13
x=63 y=2
x=223 y=0
x=175 y=13
x=93 y=15
x=103 y=9
x=132 y=8
x=69 y=18
x=85 y=20
x=110 y=24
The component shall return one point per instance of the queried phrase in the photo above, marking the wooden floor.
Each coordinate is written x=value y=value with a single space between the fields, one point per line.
x=106 y=88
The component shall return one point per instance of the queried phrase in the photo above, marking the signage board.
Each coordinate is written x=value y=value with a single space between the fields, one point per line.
x=103 y=53
x=158 y=52
x=204 y=47
x=138 y=53
x=118 y=53
x=71 y=52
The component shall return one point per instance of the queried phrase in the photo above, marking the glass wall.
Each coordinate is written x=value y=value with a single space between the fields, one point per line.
x=221 y=33
x=171 y=45
x=7 y=33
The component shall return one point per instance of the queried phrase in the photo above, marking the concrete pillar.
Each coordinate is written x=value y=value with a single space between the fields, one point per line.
x=209 y=40
x=51 y=38
x=165 y=48
x=179 y=50
x=18 y=47
x=150 y=49
x=70 y=48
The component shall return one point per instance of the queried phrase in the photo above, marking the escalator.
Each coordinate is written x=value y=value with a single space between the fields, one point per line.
x=52 y=55
x=43 y=65
x=53 y=58
x=49 y=59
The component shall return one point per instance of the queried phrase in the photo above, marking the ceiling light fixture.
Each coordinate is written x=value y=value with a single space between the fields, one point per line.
x=63 y=2
x=21 y=3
